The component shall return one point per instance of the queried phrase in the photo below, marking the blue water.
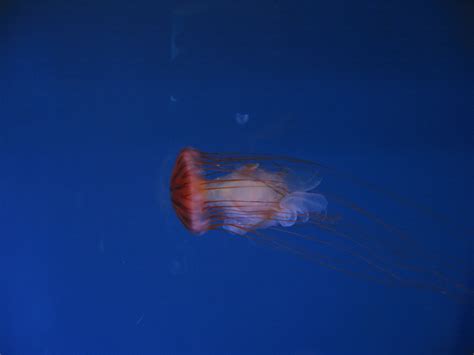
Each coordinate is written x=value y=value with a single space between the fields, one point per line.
x=98 y=97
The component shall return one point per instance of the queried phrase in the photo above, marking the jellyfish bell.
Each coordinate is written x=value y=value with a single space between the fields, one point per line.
x=267 y=199
x=187 y=191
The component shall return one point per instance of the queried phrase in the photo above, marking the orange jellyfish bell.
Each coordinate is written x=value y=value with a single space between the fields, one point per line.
x=187 y=192
x=210 y=191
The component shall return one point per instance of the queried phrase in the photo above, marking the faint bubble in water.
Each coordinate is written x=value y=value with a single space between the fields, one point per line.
x=241 y=118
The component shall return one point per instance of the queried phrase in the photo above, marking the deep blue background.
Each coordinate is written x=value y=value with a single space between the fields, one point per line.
x=93 y=111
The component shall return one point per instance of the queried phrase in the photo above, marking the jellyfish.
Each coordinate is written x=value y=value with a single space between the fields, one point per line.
x=267 y=199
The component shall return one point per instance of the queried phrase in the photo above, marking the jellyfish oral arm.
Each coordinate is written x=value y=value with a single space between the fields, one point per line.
x=299 y=206
x=260 y=199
